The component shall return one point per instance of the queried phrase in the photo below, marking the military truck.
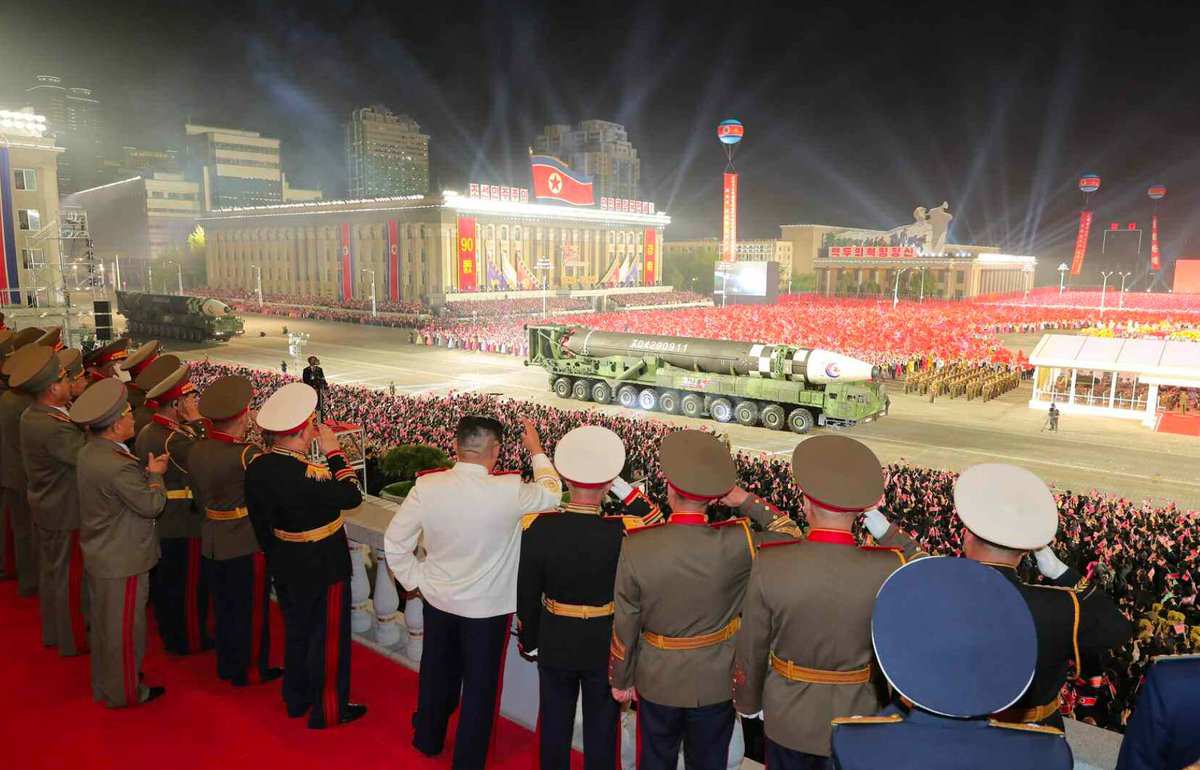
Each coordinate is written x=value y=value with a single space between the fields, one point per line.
x=178 y=316
x=753 y=383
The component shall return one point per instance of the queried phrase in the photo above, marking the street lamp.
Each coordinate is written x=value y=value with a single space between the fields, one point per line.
x=1028 y=272
x=372 y=272
x=922 y=297
x=1062 y=276
x=1104 y=290
x=179 y=268
x=1121 y=304
x=258 y=282
x=896 y=288
x=543 y=265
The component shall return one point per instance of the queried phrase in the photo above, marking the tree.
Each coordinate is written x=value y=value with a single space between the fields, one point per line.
x=804 y=282
x=401 y=465
x=198 y=243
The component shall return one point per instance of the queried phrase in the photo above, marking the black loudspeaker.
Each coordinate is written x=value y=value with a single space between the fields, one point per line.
x=102 y=311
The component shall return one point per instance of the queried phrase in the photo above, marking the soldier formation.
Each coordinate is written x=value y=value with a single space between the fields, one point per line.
x=974 y=382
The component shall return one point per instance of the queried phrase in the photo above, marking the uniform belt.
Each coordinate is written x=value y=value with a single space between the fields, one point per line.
x=311 y=535
x=692 y=642
x=1021 y=716
x=790 y=670
x=179 y=494
x=237 y=513
x=582 y=611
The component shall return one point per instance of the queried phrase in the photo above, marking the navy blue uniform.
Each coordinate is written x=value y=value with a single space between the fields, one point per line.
x=1164 y=733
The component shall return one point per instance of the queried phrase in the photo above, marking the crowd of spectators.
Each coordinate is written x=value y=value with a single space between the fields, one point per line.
x=1049 y=296
x=657 y=298
x=1143 y=553
x=524 y=307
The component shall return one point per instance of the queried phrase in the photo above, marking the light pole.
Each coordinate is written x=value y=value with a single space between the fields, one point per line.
x=1027 y=271
x=372 y=272
x=922 y=297
x=543 y=265
x=179 y=268
x=1062 y=277
x=117 y=271
x=1121 y=300
x=1104 y=290
x=258 y=282
x=896 y=288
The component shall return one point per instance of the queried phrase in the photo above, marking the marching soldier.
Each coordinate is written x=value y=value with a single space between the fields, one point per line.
x=679 y=589
x=804 y=651
x=933 y=617
x=101 y=363
x=118 y=540
x=237 y=567
x=50 y=443
x=135 y=365
x=145 y=381
x=565 y=599
x=13 y=404
x=1007 y=512
x=72 y=360
x=300 y=503
x=179 y=585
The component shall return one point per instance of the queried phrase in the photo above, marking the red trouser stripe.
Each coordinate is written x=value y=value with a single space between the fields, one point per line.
x=191 y=605
x=75 y=595
x=617 y=765
x=256 y=620
x=638 y=748
x=333 y=610
x=10 y=548
x=128 y=651
x=499 y=688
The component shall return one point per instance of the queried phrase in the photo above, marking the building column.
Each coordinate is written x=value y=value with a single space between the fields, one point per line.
x=1151 y=404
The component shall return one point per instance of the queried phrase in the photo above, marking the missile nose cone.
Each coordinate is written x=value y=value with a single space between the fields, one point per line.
x=826 y=367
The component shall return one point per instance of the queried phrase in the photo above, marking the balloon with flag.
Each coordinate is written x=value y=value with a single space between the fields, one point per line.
x=1157 y=191
x=730 y=133
x=1089 y=183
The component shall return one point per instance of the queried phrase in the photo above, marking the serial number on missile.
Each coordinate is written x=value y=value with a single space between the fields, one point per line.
x=659 y=345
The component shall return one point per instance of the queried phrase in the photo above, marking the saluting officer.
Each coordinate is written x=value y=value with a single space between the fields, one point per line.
x=50 y=443
x=679 y=590
x=179 y=585
x=145 y=381
x=237 y=568
x=1008 y=512
x=958 y=643
x=118 y=540
x=72 y=360
x=135 y=365
x=565 y=599
x=804 y=651
x=13 y=404
x=300 y=504
x=101 y=363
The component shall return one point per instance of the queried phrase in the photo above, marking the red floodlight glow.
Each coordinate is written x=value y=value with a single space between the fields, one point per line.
x=1133 y=225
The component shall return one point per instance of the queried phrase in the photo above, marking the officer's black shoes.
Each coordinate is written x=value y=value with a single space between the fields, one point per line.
x=155 y=693
x=352 y=712
x=295 y=712
x=242 y=680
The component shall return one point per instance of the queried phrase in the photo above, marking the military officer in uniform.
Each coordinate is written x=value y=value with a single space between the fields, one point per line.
x=145 y=381
x=52 y=338
x=301 y=505
x=50 y=443
x=1008 y=512
x=179 y=585
x=237 y=567
x=957 y=643
x=470 y=520
x=565 y=599
x=101 y=363
x=1164 y=731
x=72 y=360
x=8 y=569
x=678 y=594
x=804 y=650
x=118 y=540
x=314 y=376
x=135 y=365
x=13 y=404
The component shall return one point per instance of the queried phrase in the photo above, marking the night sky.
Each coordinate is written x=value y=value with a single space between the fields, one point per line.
x=854 y=115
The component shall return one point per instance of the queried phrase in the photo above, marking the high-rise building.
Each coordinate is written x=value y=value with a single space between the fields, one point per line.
x=74 y=116
x=599 y=149
x=234 y=167
x=387 y=153
x=135 y=161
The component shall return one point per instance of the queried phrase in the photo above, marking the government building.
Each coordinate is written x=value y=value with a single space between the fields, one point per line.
x=428 y=247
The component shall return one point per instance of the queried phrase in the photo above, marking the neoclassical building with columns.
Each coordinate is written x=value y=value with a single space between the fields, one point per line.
x=426 y=247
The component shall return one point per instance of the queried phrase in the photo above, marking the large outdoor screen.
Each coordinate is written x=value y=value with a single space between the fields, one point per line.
x=746 y=283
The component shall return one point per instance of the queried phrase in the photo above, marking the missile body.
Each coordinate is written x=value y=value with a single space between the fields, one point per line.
x=754 y=359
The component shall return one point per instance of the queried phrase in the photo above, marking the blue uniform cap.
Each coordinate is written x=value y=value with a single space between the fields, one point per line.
x=954 y=637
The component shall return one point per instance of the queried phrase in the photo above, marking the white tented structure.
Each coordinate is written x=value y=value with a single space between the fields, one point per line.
x=1114 y=377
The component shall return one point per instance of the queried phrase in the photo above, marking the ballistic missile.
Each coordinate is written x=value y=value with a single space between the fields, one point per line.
x=754 y=359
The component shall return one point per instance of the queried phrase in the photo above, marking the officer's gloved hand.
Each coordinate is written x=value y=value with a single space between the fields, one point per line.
x=530 y=655
x=758 y=715
x=1049 y=564
x=621 y=488
x=876 y=523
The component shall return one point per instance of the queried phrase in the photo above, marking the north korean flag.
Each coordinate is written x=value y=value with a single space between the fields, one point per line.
x=552 y=180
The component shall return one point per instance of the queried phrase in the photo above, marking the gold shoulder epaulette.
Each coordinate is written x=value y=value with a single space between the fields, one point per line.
x=887 y=720
x=1027 y=727
x=528 y=519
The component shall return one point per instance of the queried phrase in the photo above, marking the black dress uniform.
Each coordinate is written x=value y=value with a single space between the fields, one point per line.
x=1164 y=731
x=296 y=506
x=236 y=564
x=314 y=377
x=179 y=584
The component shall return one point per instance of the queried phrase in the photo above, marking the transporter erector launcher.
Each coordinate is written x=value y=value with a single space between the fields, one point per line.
x=775 y=385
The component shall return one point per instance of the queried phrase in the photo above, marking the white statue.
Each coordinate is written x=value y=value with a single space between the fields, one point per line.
x=939 y=221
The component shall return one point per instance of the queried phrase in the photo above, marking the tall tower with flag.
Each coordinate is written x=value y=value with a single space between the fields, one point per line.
x=730 y=133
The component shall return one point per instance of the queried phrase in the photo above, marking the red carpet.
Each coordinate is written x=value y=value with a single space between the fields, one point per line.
x=1182 y=424
x=50 y=722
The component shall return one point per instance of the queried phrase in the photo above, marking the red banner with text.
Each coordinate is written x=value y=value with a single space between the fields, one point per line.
x=347 y=270
x=393 y=260
x=467 y=263
x=729 y=219
x=1081 y=241
x=650 y=258
x=1155 y=257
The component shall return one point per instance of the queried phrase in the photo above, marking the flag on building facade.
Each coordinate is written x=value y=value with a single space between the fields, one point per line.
x=552 y=180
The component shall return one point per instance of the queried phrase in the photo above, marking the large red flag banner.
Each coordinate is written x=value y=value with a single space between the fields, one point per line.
x=552 y=180
x=1081 y=241
x=729 y=219
x=344 y=251
x=650 y=257
x=1155 y=257
x=393 y=260
x=467 y=263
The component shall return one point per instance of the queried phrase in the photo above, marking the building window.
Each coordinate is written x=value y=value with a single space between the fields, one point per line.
x=32 y=258
x=29 y=219
x=25 y=179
